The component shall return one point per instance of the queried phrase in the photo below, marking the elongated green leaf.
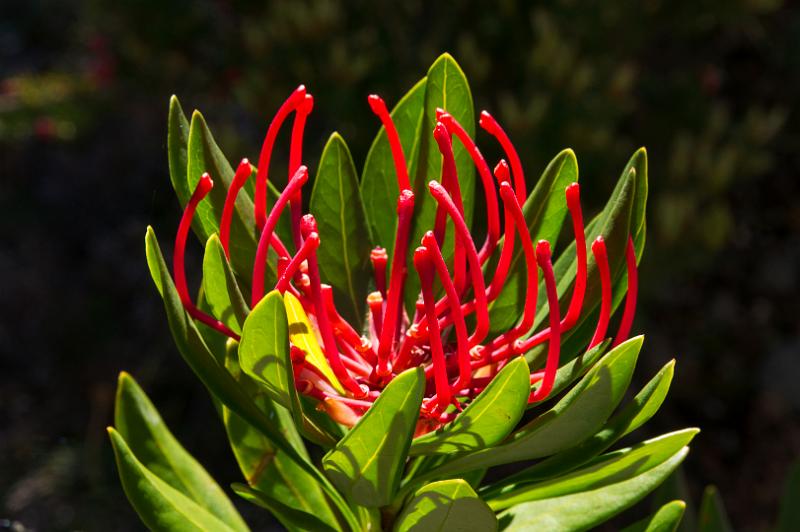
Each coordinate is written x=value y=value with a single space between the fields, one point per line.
x=446 y=505
x=177 y=140
x=379 y=189
x=544 y=210
x=574 y=369
x=344 y=236
x=578 y=415
x=267 y=469
x=367 y=463
x=264 y=356
x=789 y=514
x=149 y=439
x=582 y=511
x=487 y=420
x=220 y=287
x=607 y=469
x=159 y=505
x=713 y=517
x=448 y=89
x=217 y=379
x=292 y=518
x=666 y=519
x=640 y=409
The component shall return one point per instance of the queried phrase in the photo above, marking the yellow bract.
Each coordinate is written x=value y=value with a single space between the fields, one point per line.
x=302 y=335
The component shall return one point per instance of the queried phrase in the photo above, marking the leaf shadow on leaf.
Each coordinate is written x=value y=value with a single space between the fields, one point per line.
x=453 y=436
x=443 y=508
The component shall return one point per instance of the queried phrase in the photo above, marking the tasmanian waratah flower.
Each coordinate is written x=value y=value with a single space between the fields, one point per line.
x=402 y=322
x=460 y=358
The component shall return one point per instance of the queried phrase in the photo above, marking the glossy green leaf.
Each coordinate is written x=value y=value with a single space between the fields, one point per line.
x=582 y=511
x=220 y=287
x=344 y=237
x=159 y=505
x=267 y=469
x=789 y=514
x=450 y=505
x=607 y=469
x=216 y=378
x=367 y=463
x=379 y=189
x=448 y=89
x=544 y=210
x=154 y=446
x=487 y=420
x=666 y=519
x=177 y=141
x=578 y=415
x=573 y=370
x=292 y=518
x=713 y=517
x=634 y=414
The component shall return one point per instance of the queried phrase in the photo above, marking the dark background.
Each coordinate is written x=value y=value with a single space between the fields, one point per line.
x=708 y=86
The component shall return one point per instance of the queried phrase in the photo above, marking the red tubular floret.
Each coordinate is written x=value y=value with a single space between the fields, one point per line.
x=308 y=226
x=309 y=246
x=295 y=160
x=378 y=107
x=405 y=209
x=203 y=187
x=379 y=260
x=601 y=258
x=292 y=102
x=630 y=299
x=554 y=345
x=462 y=342
x=425 y=268
x=260 y=264
x=490 y=125
x=243 y=171
x=501 y=273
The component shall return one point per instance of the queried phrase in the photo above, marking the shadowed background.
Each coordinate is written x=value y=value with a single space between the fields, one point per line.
x=708 y=87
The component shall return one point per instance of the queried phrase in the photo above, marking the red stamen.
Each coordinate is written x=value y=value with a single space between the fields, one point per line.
x=425 y=269
x=295 y=159
x=493 y=220
x=291 y=103
x=379 y=260
x=601 y=258
x=203 y=187
x=308 y=226
x=405 y=209
x=378 y=107
x=243 y=171
x=478 y=285
x=554 y=347
x=630 y=299
x=462 y=342
x=260 y=264
x=490 y=125
x=308 y=246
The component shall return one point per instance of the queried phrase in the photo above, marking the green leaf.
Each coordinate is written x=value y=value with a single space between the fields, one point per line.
x=578 y=415
x=640 y=409
x=379 y=189
x=292 y=518
x=264 y=356
x=220 y=287
x=713 y=517
x=487 y=420
x=217 y=379
x=666 y=519
x=607 y=469
x=446 y=505
x=367 y=463
x=177 y=140
x=448 y=89
x=584 y=510
x=789 y=516
x=159 y=505
x=544 y=210
x=344 y=243
x=574 y=369
x=154 y=446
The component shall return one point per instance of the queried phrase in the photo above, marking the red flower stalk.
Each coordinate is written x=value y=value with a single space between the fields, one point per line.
x=458 y=363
